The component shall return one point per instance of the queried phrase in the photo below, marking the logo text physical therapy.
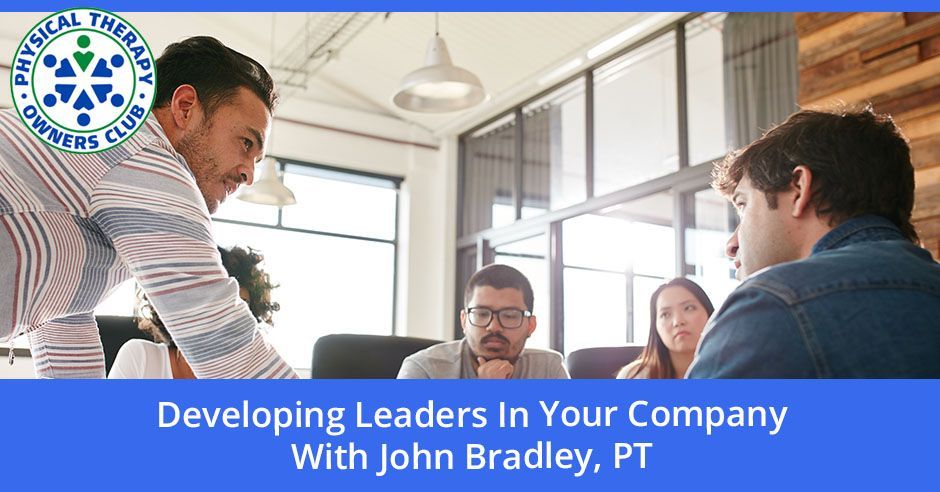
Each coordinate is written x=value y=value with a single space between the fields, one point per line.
x=83 y=80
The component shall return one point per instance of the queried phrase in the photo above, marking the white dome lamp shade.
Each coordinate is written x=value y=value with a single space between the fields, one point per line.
x=439 y=87
x=268 y=190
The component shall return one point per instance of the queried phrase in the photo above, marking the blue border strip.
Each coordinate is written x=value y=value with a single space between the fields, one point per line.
x=473 y=6
x=836 y=435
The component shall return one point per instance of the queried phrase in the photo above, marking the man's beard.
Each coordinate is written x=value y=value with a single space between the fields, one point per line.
x=509 y=348
x=202 y=163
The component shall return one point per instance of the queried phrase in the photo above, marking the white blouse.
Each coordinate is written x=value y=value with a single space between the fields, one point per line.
x=142 y=359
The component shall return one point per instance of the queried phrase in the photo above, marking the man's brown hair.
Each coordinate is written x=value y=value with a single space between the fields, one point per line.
x=860 y=162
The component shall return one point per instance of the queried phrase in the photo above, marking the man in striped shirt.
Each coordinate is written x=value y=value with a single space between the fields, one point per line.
x=72 y=227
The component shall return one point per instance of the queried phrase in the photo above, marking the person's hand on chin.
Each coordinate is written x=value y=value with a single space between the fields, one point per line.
x=494 y=369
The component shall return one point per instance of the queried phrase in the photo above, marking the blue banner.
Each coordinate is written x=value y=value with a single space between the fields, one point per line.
x=471 y=6
x=468 y=435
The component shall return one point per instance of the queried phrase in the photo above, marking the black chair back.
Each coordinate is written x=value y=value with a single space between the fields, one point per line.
x=363 y=356
x=601 y=362
x=115 y=331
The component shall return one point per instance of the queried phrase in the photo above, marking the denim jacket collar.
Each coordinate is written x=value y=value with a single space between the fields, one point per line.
x=863 y=228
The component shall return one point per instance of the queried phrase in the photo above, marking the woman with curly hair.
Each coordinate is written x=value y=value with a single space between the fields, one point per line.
x=142 y=359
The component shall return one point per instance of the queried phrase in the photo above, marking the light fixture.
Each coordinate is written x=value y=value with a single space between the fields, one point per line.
x=268 y=190
x=439 y=86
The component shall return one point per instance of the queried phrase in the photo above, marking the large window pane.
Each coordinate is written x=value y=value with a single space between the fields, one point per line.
x=489 y=177
x=234 y=209
x=654 y=251
x=529 y=256
x=636 y=236
x=705 y=240
x=342 y=203
x=705 y=82
x=643 y=288
x=635 y=117
x=597 y=241
x=326 y=285
x=595 y=309
x=553 y=172
x=626 y=251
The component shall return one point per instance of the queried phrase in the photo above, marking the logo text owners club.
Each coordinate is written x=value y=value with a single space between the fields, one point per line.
x=83 y=80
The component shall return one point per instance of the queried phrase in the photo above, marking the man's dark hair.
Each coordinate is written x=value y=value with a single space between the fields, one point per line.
x=500 y=277
x=214 y=70
x=861 y=164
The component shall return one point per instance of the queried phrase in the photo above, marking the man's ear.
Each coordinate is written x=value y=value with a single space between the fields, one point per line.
x=463 y=320
x=802 y=183
x=531 y=327
x=184 y=106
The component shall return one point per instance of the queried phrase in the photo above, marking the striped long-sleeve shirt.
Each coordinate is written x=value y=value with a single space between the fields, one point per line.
x=73 y=227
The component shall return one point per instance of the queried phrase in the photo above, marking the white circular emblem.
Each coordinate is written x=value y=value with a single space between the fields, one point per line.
x=83 y=80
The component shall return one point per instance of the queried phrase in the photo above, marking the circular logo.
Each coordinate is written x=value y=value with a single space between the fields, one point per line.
x=83 y=80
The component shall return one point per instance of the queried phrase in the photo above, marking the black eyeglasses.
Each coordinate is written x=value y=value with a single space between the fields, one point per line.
x=509 y=318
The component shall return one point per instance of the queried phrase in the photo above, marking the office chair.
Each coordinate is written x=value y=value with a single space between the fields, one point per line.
x=115 y=331
x=363 y=356
x=601 y=362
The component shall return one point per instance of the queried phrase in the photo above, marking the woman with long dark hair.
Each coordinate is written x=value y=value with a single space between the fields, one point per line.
x=679 y=310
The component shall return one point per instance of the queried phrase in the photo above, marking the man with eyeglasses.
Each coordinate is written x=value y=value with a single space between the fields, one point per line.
x=497 y=320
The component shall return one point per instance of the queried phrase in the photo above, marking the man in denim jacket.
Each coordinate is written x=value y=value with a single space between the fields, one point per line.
x=836 y=285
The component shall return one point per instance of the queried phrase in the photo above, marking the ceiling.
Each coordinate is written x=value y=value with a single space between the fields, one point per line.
x=509 y=52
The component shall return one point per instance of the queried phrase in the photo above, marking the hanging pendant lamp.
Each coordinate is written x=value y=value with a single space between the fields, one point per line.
x=439 y=87
x=268 y=190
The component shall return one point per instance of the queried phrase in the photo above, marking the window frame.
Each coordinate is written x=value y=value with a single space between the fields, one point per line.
x=353 y=176
x=683 y=183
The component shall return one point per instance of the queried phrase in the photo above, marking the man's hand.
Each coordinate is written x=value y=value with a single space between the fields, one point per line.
x=494 y=369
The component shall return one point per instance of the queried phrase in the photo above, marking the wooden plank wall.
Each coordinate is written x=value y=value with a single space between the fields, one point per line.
x=893 y=61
